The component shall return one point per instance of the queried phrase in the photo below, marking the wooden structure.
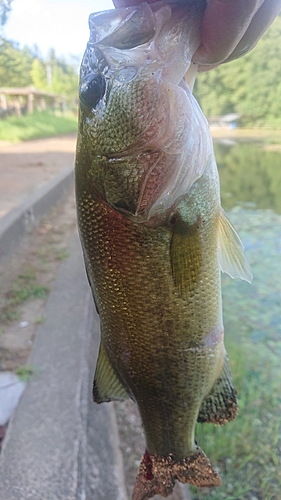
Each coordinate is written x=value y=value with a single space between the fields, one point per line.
x=26 y=99
x=224 y=121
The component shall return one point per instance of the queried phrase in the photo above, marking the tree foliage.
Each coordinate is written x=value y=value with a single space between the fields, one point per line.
x=25 y=67
x=15 y=65
x=5 y=7
x=38 y=74
x=250 y=86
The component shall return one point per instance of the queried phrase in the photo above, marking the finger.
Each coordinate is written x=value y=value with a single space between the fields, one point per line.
x=207 y=67
x=122 y=3
x=128 y=3
x=258 y=26
x=135 y=3
x=224 y=24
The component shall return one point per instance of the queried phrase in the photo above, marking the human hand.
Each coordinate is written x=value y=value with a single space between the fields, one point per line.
x=230 y=28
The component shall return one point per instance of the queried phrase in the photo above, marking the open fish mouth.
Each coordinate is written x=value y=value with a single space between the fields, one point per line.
x=133 y=71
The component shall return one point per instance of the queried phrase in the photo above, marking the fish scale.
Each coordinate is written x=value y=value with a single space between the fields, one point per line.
x=143 y=313
x=155 y=238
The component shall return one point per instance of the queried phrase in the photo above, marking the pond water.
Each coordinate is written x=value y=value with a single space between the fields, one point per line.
x=251 y=194
x=248 y=450
x=250 y=176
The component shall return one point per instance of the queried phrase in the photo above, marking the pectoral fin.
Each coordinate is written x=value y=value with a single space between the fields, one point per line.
x=185 y=255
x=220 y=406
x=107 y=386
x=232 y=257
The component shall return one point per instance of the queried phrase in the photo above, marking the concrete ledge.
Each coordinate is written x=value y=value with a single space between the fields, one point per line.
x=19 y=221
x=60 y=445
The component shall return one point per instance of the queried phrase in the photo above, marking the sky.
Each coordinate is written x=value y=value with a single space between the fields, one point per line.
x=61 y=24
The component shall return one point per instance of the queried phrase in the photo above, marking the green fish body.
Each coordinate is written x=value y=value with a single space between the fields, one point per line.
x=154 y=237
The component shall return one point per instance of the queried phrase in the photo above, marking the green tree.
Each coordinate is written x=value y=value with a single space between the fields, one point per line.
x=65 y=81
x=15 y=65
x=25 y=67
x=38 y=74
x=250 y=86
x=5 y=7
x=61 y=76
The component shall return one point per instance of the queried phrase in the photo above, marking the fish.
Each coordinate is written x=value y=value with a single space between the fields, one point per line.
x=154 y=236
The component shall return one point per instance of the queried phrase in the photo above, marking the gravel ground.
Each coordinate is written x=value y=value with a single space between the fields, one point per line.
x=27 y=166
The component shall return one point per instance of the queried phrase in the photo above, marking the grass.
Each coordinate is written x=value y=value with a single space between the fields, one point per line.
x=23 y=288
x=40 y=320
x=247 y=450
x=39 y=124
x=25 y=373
x=62 y=254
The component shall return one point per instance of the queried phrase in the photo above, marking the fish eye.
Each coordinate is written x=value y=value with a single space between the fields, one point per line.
x=92 y=91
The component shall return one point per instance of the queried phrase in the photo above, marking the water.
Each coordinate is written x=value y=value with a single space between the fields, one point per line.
x=248 y=450
x=250 y=180
x=250 y=176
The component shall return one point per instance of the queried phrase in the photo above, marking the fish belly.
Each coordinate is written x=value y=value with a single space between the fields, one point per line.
x=154 y=333
x=157 y=291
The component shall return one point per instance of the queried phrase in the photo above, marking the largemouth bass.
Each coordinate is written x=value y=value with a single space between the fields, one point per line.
x=154 y=236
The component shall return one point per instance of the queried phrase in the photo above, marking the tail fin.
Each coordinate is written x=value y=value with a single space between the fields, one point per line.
x=157 y=475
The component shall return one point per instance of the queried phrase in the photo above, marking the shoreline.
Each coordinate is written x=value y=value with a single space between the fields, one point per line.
x=268 y=139
x=245 y=133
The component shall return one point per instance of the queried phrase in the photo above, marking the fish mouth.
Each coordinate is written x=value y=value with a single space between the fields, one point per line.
x=123 y=28
x=137 y=36
x=132 y=95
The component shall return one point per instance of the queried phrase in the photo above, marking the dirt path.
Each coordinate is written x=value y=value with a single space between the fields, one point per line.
x=28 y=276
x=26 y=281
x=27 y=166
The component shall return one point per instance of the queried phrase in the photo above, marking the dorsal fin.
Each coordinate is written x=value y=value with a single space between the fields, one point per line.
x=232 y=258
